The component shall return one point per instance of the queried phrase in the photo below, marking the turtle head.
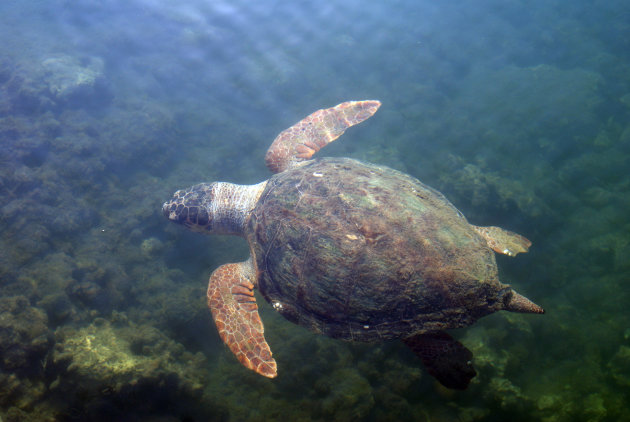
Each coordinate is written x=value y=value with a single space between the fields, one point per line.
x=192 y=207
x=213 y=208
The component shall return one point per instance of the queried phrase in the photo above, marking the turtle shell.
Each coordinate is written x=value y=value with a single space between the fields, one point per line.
x=364 y=252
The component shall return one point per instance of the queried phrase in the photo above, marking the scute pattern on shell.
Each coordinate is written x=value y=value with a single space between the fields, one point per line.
x=362 y=252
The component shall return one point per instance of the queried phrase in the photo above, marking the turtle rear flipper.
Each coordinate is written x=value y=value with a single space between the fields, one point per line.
x=445 y=358
x=299 y=142
x=503 y=241
x=233 y=305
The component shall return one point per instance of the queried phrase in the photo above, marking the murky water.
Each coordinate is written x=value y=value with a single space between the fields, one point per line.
x=518 y=111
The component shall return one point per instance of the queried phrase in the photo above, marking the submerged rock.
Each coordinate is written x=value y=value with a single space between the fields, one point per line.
x=58 y=307
x=71 y=78
x=54 y=82
x=151 y=247
x=124 y=361
x=350 y=396
x=619 y=366
x=24 y=337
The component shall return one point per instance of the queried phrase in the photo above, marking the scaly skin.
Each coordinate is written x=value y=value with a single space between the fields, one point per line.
x=504 y=241
x=350 y=250
x=235 y=312
x=299 y=142
x=224 y=208
x=213 y=208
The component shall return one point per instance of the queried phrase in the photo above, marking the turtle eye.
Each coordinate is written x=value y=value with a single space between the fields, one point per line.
x=183 y=214
x=192 y=215
x=202 y=217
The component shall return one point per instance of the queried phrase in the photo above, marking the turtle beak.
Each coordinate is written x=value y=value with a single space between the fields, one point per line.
x=173 y=209
x=166 y=210
x=519 y=303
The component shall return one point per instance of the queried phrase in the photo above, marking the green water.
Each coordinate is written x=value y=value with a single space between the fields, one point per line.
x=518 y=111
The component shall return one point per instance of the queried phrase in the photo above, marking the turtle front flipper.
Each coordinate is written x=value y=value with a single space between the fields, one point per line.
x=504 y=241
x=299 y=142
x=445 y=358
x=233 y=305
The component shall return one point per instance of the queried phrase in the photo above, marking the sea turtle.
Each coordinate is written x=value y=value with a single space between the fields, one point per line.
x=348 y=249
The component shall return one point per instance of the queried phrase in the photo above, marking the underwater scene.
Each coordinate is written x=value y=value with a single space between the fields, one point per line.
x=516 y=111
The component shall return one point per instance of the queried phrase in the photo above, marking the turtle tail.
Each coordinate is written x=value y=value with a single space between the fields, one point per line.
x=515 y=302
